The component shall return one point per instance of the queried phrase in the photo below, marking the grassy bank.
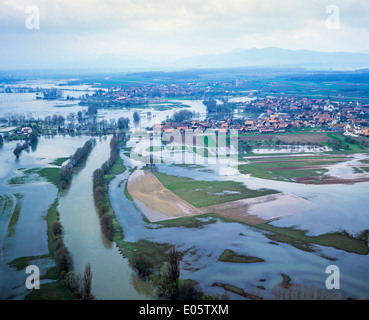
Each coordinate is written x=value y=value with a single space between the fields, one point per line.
x=117 y=168
x=295 y=237
x=15 y=216
x=154 y=252
x=37 y=174
x=339 y=240
x=231 y=256
x=59 y=161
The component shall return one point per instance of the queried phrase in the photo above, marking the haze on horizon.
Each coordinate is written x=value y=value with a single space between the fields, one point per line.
x=140 y=33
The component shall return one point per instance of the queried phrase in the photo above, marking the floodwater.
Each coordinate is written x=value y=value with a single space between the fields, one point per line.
x=29 y=237
x=340 y=207
x=112 y=276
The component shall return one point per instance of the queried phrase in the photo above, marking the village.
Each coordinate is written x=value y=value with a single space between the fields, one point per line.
x=284 y=114
x=226 y=109
x=276 y=115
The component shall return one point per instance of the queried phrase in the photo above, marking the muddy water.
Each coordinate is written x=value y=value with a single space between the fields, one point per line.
x=113 y=278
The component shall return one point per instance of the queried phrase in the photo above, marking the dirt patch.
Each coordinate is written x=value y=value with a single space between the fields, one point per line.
x=156 y=202
x=257 y=138
x=235 y=210
x=306 y=180
x=304 y=138
x=303 y=160
x=262 y=209
x=337 y=180
x=299 y=168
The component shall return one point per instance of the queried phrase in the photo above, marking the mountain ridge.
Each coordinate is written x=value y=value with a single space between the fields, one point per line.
x=274 y=56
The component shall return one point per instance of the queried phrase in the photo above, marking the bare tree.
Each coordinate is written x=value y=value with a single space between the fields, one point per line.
x=87 y=283
x=173 y=272
x=173 y=264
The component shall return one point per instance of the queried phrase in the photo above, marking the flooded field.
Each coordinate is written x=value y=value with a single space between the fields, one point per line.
x=25 y=197
x=335 y=208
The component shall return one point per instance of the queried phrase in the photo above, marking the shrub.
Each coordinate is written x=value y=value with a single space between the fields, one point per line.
x=87 y=284
x=57 y=228
x=142 y=265
x=64 y=261
x=189 y=290
x=58 y=243
x=73 y=283
x=107 y=226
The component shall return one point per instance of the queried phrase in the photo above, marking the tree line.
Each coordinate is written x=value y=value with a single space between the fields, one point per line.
x=81 y=154
x=100 y=193
x=79 y=286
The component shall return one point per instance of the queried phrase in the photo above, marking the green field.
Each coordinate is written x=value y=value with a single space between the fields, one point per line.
x=59 y=161
x=299 y=238
x=15 y=216
x=207 y=193
x=287 y=168
x=343 y=144
x=231 y=256
x=6 y=204
x=37 y=174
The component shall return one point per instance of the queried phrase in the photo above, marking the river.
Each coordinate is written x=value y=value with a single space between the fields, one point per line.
x=113 y=278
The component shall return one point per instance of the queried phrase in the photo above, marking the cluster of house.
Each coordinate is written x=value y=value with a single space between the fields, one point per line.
x=159 y=92
x=282 y=114
x=24 y=131
x=270 y=125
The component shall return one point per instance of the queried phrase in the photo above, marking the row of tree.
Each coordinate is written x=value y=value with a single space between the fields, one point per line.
x=100 y=192
x=81 y=154
x=80 y=287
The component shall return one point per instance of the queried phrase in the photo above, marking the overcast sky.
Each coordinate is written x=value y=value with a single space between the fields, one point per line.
x=83 y=30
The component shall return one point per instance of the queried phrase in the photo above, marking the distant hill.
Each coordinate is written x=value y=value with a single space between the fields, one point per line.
x=276 y=57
